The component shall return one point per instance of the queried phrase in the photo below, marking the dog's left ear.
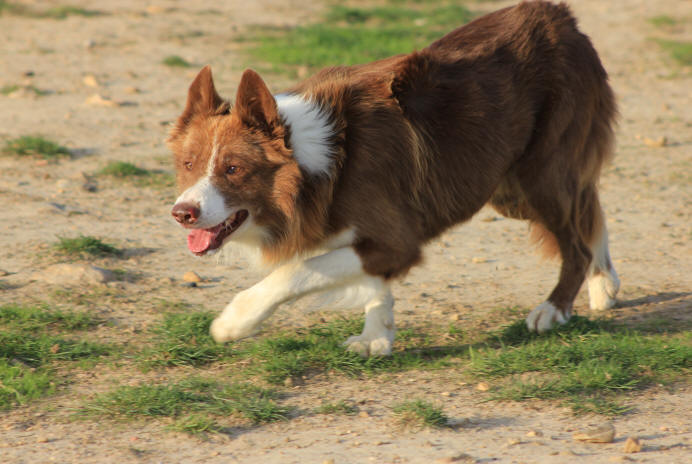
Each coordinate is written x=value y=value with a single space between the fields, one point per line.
x=254 y=103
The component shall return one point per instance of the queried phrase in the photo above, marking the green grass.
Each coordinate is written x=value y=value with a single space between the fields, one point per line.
x=139 y=176
x=182 y=338
x=419 y=413
x=8 y=89
x=63 y=11
x=195 y=405
x=319 y=350
x=57 y=12
x=29 y=350
x=19 y=384
x=587 y=363
x=123 y=169
x=176 y=61
x=32 y=318
x=35 y=146
x=352 y=35
x=340 y=407
x=86 y=246
x=663 y=21
x=681 y=52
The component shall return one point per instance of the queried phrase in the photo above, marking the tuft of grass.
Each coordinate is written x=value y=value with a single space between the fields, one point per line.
x=12 y=8
x=340 y=407
x=320 y=350
x=419 y=414
x=123 y=169
x=183 y=339
x=57 y=12
x=681 y=52
x=35 y=146
x=86 y=246
x=32 y=318
x=176 y=61
x=663 y=21
x=196 y=404
x=8 y=89
x=19 y=384
x=139 y=176
x=28 y=351
x=38 y=350
x=353 y=35
x=586 y=362
x=63 y=11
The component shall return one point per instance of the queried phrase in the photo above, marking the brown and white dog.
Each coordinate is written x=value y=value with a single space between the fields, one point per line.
x=340 y=181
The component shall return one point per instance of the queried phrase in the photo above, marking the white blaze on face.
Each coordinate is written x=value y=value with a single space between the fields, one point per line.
x=212 y=206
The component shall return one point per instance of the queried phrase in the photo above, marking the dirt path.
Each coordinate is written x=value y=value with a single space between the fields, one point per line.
x=647 y=194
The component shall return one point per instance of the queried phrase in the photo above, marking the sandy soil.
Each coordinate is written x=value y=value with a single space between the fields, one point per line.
x=647 y=194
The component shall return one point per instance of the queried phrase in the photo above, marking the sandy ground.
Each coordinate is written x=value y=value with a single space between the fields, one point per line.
x=647 y=194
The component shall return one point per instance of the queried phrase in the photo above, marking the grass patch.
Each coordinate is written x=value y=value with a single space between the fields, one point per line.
x=586 y=362
x=340 y=407
x=176 y=61
x=32 y=318
x=137 y=175
x=35 y=146
x=57 y=12
x=353 y=35
x=320 y=350
x=63 y=11
x=195 y=405
x=681 y=52
x=123 y=169
x=86 y=246
x=19 y=385
x=183 y=339
x=8 y=89
x=419 y=414
x=663 y=21
x=28 y=351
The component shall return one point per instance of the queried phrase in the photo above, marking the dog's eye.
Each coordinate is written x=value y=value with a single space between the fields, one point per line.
x=188 y=165
x=232 y=170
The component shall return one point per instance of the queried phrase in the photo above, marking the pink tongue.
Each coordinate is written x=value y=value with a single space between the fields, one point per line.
x=199 y=240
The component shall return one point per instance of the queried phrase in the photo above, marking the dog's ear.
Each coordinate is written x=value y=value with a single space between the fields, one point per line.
x=202 y=98
x=254 y=103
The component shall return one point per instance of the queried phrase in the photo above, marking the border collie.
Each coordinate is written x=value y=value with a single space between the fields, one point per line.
x=340 y=181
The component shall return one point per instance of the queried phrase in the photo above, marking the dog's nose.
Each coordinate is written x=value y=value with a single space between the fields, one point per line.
x=186 y=213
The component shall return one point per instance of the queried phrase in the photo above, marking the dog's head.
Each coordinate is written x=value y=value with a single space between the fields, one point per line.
x=237 y=177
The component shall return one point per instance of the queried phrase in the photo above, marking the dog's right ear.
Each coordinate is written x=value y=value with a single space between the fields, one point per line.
x=202 y=98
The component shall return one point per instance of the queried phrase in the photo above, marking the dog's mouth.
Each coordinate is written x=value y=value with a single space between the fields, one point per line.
x=200 y=241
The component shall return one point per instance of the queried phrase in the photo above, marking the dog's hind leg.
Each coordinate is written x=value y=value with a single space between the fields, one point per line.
x=564 y=217
x=602 y=279
x=378 y=334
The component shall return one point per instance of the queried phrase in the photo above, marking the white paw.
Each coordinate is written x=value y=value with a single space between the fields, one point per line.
x=545 y=317
x=224 y=330
x=370 y=346
x=603 y=288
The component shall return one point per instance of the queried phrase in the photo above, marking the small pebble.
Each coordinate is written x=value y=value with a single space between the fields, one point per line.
x=483 y=386
x=632 y=445
x=191 y=276
x=462 y=457
x=658 y=142
x=90 y=81
x=604 y=433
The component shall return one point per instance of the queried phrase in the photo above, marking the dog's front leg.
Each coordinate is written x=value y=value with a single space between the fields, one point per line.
x=243 y=316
